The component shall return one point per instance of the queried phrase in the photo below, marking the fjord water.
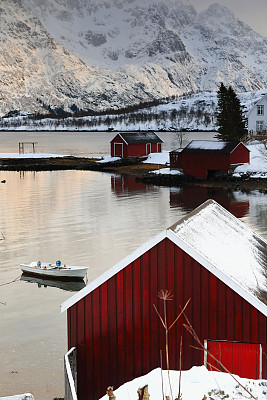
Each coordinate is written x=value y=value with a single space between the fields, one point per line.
x=82 y=218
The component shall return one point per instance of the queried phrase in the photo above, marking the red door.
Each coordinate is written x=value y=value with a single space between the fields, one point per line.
x=242 y=359
x=148 y=148
x=118 y=150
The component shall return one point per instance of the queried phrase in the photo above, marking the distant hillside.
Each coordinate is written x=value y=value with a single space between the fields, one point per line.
x=190 y=112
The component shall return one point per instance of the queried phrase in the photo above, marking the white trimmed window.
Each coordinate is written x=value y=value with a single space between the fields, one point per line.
x=260 y=110
x=259 y=126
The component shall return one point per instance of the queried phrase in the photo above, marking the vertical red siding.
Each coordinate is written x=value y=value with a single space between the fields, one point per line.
x=137 y=318
x=129 y=323
x=145 y=311
x=239 y=155
x=132 y=150
x=89 y=365
x=236 y=357
x=81 y=348
x=104 y=323
x=213 y=306
x=197 y=164
x=221 y=304
x=120 y=322
x=154 y=321
x=119 y=336
x=179 y=296
x=204 y=276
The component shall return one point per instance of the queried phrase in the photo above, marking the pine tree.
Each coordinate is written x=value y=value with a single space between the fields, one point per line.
x=230 y=119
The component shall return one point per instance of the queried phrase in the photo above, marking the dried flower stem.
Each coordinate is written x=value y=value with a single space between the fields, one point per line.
x=166 y=296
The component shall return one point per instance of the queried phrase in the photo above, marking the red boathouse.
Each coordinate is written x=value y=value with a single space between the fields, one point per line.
x=204 y=158
x=135 y=144
x=209 y=257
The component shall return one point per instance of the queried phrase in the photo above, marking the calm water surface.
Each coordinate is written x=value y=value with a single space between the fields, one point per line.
x=82 y=218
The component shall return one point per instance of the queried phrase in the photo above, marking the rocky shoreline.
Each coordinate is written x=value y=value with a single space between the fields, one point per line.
x=133 y=167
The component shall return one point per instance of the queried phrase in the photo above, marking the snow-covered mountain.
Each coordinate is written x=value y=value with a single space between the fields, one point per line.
x=98 y=54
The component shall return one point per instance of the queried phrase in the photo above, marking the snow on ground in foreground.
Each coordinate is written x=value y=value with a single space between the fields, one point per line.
x=158 y=158
x=257 y=168
x=195 y=383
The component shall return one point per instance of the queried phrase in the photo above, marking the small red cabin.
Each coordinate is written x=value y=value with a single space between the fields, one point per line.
x=135 y=144
x=204 y=158
x=209 y=258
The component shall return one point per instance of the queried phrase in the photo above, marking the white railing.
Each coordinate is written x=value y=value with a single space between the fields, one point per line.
x=70 y=375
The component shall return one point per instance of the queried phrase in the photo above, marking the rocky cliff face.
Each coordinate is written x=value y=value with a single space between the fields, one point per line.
x=96 y=54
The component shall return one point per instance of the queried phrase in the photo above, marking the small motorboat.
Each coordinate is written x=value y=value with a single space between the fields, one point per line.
x=56 y=270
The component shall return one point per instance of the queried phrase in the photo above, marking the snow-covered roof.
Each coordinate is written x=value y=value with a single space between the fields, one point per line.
x=220 y=242
x=228 y=245
x=139 y=137
x=176 y=150
x=196 y=146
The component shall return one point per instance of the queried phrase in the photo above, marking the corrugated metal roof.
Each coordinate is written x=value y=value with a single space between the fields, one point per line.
x=140 y=137
x=228 y=244
x=199 y=146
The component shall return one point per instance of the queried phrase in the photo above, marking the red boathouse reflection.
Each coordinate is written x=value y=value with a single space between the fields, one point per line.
x=123 y=185
x=190 y=197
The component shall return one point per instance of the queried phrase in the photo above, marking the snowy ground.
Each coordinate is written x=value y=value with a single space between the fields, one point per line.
x=107 y=159
x=195 y=384
x=158 y=158
x=257 y=168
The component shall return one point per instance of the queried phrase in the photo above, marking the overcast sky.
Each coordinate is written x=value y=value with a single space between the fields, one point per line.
x=253 y=12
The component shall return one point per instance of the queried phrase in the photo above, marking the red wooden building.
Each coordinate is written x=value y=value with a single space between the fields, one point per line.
x=204 y=158
x=135 y=144
x=209 y=257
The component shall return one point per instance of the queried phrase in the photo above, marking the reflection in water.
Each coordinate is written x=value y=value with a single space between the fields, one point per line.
x=190 y=197
x=125 y=185
x=70 y=286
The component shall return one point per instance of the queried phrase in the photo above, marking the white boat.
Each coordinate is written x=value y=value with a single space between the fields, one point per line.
x=56 y=270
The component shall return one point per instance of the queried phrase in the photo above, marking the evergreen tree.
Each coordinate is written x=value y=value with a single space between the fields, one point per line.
x=230 y=119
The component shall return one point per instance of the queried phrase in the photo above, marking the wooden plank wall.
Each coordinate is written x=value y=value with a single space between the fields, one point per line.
x=119 y=336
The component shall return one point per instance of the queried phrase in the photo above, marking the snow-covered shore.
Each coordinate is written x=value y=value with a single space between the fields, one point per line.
x=257 y=168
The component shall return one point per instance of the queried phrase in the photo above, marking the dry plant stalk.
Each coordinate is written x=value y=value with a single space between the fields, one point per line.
x=143 y=393
x=165 y=295
x=201 y=347
x=110 y=393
